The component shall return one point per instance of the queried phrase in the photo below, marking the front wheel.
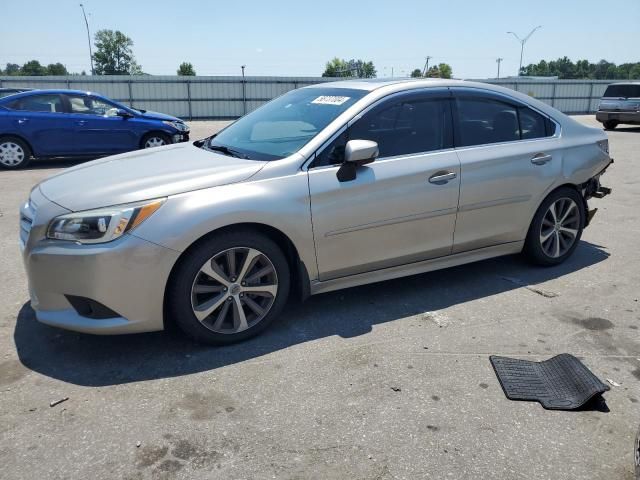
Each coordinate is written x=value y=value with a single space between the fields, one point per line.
x=155 y=140
x=229 y=288
x=556 y=228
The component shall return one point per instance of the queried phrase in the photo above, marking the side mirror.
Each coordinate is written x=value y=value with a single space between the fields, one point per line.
x=121 y=112
x=356 y=154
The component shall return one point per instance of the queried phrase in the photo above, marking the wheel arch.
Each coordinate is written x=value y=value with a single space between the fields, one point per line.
x=570 y=185
x=300 y=282
x=153 y=131
x=19 y=137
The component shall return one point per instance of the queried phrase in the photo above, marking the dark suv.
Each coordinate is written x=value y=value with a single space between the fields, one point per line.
x=620 y=104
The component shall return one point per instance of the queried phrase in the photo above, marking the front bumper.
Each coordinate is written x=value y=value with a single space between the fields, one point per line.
x=622 y=117
x=128 y=276
x=180 y=137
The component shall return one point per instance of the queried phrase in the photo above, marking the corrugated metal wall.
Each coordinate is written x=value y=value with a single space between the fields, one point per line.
x=231 y=97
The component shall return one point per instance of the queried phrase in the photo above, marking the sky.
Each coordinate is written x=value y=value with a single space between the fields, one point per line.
x=283 y=37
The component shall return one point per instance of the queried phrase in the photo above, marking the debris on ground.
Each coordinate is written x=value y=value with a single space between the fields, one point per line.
x=58 y=402
x=523 y=284
x=138 y=443
x=396 y=389
x=612 y=382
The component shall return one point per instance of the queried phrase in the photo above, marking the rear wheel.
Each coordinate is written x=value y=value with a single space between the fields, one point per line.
x=14 y=153
x=155 y=139
x=610 y=124
x=231 y=287
x=556 y=228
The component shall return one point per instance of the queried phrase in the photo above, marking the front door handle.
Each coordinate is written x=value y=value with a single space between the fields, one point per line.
x=81 y=123
x=22 y=121
x=541 y=158
x=440 y=178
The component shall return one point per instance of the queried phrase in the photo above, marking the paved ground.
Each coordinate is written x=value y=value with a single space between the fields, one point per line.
x=386 y=381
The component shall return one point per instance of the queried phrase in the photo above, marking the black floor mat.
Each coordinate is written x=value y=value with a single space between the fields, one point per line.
x=560 y=383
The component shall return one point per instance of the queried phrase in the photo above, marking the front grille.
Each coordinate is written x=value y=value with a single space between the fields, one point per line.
x=27 y=215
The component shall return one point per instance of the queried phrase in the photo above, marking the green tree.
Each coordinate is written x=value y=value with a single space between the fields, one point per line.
x=186 y=69
x=33 y=68
x=57 y=69
x=12 y=69
x=338 y=67
x=417 y=73
x=564 y=68
x=445 y=70
x=114 y=55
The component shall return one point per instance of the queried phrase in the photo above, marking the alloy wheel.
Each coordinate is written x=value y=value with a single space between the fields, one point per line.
x=560 y=227
x=11 y=154
x=234 y=290
x=154 y=142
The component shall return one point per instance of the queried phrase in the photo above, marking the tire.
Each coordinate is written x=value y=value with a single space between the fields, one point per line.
x=14 y=153
x=610 y=124
x=155 y=139
x=207 y=307
x=551 y=243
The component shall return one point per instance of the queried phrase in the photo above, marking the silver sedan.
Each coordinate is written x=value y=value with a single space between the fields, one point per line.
x=323 y=188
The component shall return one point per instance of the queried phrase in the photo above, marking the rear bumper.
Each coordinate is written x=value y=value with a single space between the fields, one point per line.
x=622 y=117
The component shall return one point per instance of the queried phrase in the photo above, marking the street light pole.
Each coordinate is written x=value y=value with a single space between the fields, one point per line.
x=93 y=72
x=244 y=92
x=522 y=42
x=498 y=61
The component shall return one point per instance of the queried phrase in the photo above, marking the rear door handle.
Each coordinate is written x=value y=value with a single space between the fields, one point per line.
x=22 y=121
x=440 y=178
x=81 y=122
x=541 y=158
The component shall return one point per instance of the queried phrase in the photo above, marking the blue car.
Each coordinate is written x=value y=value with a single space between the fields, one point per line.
x=70 y=123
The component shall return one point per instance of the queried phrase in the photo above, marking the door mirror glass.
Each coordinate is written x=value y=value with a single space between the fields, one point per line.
x=360 y=152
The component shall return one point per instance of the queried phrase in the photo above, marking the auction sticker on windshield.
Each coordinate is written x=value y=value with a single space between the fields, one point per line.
x=330 y=100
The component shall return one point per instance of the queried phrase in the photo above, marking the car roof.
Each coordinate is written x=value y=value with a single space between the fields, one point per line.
x=371 y=84
x=54 y=91
x=625 y=83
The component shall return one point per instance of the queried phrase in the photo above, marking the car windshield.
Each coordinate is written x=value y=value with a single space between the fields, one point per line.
x=284 y=125
x=625 y=91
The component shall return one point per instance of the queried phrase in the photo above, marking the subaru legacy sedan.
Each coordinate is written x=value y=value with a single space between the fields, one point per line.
x=70 y=123
x=323 y=188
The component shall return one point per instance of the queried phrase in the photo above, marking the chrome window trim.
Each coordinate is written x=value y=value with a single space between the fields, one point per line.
x=452 y=91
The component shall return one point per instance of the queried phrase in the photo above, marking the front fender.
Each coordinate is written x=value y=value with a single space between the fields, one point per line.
x=281 y=203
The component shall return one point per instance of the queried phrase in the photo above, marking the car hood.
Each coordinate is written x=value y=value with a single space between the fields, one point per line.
x=145 y=174
x=158 y=116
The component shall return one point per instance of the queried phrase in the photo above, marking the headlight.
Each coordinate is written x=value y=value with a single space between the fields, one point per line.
x=180 y=126
x=101 y=225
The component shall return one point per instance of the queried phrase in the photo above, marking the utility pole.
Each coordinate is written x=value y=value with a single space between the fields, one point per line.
x=426 y=66
x=522 y=42
x=498 y=61
x=93 y=72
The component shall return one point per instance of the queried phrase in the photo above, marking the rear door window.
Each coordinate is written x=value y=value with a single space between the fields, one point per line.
x=39 y=103
x=482 y=121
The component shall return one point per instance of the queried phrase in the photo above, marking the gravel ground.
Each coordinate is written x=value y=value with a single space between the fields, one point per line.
x=385 y=381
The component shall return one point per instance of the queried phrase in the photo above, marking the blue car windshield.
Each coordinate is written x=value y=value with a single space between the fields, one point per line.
x=284 y=125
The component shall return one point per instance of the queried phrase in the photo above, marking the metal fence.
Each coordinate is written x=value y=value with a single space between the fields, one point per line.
x=231 y=97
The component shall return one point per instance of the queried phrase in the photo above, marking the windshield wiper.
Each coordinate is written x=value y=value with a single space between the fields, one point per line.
x=227 y=151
